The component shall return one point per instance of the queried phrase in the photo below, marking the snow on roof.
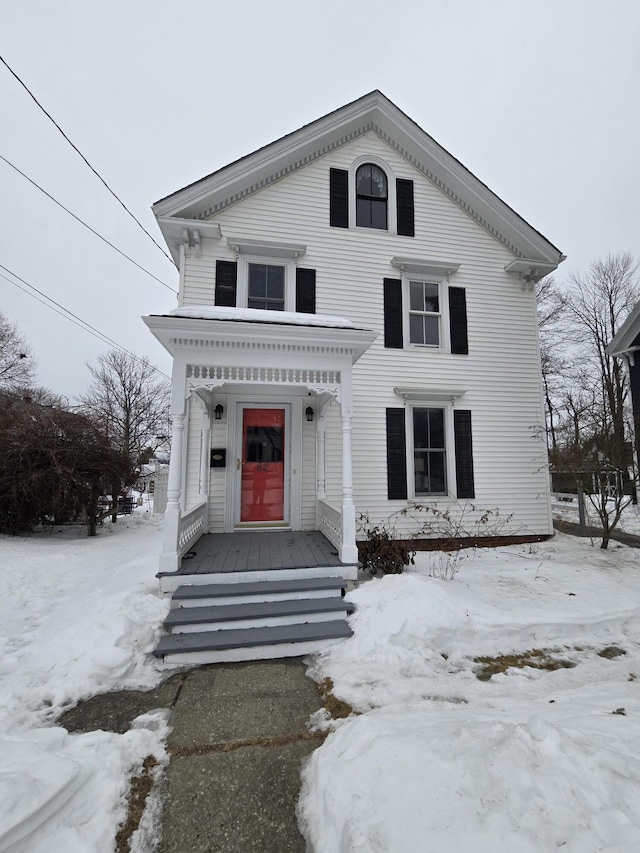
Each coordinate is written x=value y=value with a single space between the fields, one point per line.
x=257 y=315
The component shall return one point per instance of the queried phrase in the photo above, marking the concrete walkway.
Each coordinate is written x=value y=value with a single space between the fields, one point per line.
x=239 y=738
x=238 y=742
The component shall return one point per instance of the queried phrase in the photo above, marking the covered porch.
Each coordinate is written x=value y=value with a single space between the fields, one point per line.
x=229 y=365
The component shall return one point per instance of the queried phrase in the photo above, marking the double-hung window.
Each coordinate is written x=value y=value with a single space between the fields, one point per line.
x=424 y=313
x=266 y=286
x=429 y=451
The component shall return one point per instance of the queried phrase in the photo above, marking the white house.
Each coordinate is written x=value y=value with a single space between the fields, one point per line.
x=356 y=330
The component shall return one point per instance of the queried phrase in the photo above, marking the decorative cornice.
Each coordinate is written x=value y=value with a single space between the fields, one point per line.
x=373 y=112
x=419 y=394
x=418 y=266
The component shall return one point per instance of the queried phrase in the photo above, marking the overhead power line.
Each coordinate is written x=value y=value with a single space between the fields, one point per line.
x=82 y=222
x=77 y=150
x=69 y=315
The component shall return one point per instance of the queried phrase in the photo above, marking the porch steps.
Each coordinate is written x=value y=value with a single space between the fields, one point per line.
x=223 y=622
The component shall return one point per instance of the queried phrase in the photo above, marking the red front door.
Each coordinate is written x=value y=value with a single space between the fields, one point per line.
x=262 y=486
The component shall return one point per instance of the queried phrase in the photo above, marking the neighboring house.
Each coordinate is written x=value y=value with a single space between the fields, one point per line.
x=625 y=344
x=356 y=330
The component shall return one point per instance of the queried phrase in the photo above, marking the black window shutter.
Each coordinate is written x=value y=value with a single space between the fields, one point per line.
x=305 y=291
x=458 y=320
x=404 y=203
x=393 y=313
x=464 y=453
x=226 y=276
x=396 y=455
x=339 y=198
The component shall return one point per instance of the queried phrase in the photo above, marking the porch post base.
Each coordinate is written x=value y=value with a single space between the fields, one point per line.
x=348 y=551
x=169 y=562
x=169 y=559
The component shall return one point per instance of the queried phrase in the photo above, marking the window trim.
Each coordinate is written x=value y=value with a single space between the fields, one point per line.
x=392 y=215
x=444 y=344
x=289 y=265
x=449 y=447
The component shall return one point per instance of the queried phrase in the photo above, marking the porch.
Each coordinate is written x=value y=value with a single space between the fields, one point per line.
x=255 y=551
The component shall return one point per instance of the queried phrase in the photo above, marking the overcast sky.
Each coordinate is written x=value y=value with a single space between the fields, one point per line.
x=539 y=99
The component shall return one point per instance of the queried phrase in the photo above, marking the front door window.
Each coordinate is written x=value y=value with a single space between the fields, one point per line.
x=262 y=485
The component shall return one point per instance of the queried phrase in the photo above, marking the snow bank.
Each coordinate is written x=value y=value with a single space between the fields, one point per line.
x=527 y=762
x=78 y=617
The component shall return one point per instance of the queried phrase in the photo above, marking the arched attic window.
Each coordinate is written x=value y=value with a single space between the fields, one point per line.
x=372 y=195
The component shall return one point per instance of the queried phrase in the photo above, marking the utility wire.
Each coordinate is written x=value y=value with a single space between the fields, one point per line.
x=82 y=222
x=73 y=318
x=77 y=150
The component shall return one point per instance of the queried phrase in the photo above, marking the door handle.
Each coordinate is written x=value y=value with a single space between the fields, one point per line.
x=239 y=464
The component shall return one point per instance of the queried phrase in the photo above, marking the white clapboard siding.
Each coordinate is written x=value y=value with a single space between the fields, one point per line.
x=218 y=479
x=308 y=477
x=500 y=376
x=194 y=452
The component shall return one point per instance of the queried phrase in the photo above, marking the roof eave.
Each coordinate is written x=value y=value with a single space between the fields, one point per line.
x=375 y=110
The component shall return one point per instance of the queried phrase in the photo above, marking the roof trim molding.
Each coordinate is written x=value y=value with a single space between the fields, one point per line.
x=373 y=112
x=622 y=342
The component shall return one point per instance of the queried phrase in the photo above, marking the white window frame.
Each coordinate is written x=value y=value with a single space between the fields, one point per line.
x=289 y=278
x=392 y=218
x=449 y=448
x=443 y=313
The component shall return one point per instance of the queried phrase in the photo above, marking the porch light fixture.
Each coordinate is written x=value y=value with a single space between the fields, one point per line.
x=219 y=409
x=309 y=413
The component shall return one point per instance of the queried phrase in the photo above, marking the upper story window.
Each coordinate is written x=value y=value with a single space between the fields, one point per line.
x=372 y=196
x=424 y=313
x=369 y=195
x=266 y=287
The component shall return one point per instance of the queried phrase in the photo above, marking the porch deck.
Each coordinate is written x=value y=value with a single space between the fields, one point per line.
x=248 y=551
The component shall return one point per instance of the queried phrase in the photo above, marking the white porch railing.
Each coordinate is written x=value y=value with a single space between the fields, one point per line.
x=191 y=528
x=330 y=523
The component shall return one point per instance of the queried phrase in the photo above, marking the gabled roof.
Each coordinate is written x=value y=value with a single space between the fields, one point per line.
x=627 y=338
x=373 y=112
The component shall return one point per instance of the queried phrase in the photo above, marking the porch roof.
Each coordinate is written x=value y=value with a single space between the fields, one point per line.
x=267 y=337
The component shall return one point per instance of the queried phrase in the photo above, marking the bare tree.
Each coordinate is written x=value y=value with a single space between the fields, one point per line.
x=131 y=403
x=590 y=427
x=598 y=302
x=17 y=365
x=551 y=320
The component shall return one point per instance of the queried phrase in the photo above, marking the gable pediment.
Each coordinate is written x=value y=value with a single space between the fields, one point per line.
x=373 y=112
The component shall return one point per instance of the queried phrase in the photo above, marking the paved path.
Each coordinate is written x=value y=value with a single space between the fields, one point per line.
x=239 y=738
x=238 y=742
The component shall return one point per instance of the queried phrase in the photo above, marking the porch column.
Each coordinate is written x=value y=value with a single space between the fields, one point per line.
x=205 y=454
x=169 y=559
x=348 y=548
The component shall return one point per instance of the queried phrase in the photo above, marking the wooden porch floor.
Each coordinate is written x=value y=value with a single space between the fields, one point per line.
x=248 y=551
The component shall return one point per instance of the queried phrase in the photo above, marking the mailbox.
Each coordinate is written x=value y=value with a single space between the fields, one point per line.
x=218 y=457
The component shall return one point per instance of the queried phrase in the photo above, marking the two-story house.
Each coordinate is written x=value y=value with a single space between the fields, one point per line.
x=356 y=330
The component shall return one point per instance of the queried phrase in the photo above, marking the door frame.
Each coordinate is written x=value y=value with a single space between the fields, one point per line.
x=292 y=406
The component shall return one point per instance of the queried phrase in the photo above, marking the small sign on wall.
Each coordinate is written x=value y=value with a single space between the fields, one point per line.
x=218 y=457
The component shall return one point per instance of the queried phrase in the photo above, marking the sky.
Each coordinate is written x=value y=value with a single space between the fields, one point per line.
x=538 y=99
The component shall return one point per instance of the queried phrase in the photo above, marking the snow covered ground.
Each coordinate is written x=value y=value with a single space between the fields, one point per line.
x=528 y=761
x=437 y=760
x=77 y=617
x=568 y=511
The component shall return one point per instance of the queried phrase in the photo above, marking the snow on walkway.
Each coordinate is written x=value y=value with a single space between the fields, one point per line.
x=78 y=617
x=527 y=762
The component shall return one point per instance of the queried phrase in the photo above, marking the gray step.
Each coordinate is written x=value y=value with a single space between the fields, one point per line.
x=222 y=613
x=226 y=590
x=252 y=638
